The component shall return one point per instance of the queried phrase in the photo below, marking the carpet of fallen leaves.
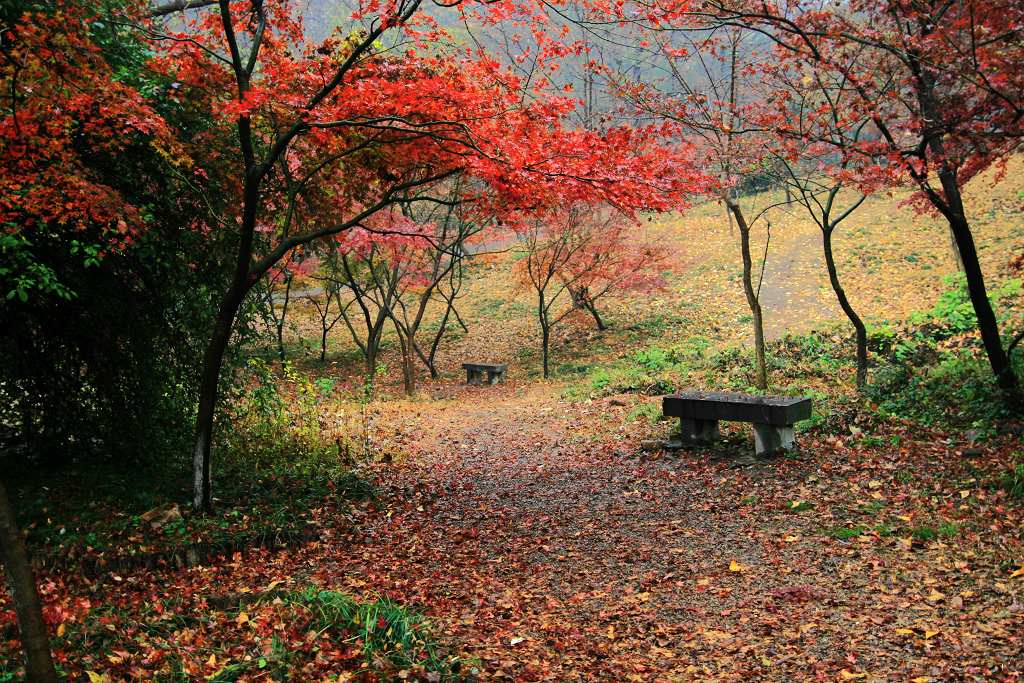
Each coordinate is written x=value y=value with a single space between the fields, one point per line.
x=544 y=544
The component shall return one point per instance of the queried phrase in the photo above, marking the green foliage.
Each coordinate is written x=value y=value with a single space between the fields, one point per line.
x=1012 y=480
x=648 y=411
x=926 y=534
x=385 y=631
x=101 y=347
x=933 y=370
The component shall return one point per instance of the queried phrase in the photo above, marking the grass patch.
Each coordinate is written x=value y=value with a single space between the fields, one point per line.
x=389 y=635
x=927 y=534
x=1012 y=480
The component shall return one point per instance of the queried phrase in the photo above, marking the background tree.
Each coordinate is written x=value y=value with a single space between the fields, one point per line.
x=329 y=135
x=941 y=82
x=581 y=248
x=814 y=154
x=709 y=92
x=432 y=260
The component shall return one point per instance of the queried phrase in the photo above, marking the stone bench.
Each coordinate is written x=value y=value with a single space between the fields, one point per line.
x=772 y=416
x=475 y=372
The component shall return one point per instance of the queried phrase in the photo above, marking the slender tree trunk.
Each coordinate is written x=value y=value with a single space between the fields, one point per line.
x=34 y=640
x=202 y=497
x=597 y=316
x=752 y=299
x=408 y=369
x=844 y=303
x=429 y=360
x=545 y=348
x=966 y=252
x=545 y=332
x=988 y=326
x=284 y=317
x=323 y=344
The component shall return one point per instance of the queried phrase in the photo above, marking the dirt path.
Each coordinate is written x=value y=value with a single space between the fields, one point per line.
x=537 y=538
x=790 y=293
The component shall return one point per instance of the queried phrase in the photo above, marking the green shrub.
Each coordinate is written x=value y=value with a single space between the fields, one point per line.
x=1012 y=481
x=385 y=631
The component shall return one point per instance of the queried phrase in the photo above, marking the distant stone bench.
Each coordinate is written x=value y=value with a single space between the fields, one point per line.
x=475 y=372
x=772 y=416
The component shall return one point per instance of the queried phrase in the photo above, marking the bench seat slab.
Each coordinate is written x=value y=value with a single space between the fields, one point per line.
x=707 y=405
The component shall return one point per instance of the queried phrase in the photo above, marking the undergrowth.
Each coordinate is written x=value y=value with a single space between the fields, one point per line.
x=930 y=369
x=276 y=462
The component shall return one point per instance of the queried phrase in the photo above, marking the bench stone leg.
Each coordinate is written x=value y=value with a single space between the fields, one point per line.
x=494 y=377
x=474 y=377
x=698 y=431
x=771 y=439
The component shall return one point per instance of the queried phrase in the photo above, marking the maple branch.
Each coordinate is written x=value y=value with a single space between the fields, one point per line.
x=179 y=6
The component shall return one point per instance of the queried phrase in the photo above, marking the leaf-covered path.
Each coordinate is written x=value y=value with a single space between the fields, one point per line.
x=545 y=544
x=541 y=539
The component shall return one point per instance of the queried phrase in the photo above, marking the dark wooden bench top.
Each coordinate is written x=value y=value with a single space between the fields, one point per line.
x=713 y=405
x=483 y=367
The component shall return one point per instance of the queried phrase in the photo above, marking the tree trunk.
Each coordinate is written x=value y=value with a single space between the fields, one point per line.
x=988 y=326
x=545 y=344
x=429 y=360
x=408 y=369
x=597 y=316
x=202 y=496
x=844 y=303
x=545 y=331
x=34 y=640
x=284 y=317
x=967 y=253
x=752 y=299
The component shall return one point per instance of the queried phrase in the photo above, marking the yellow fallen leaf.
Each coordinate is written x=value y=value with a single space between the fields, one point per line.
x=60 y=631
x=735 y=566
x=849 y=675
x=921 y=679
x=791 y=539
x=241 y=618
x=804 y=628
x=212 y=661
x=965 y=494
x=874 y=484
x=935 y=596
x=930 y=634
x=611 y=633
x=97 y=678
x=1017 y=573
x=905 y=631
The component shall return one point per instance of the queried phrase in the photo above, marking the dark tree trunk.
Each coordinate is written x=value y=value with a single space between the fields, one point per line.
x=844 y=303
x=429 y=360
x=545 y=332
x=597 y=316
x=545 y=349
x=202 y=496
x=752 y=298
x=34 y=640
x=952 y=207
x=408 y=368
x=988 y=326
x=279 y=323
